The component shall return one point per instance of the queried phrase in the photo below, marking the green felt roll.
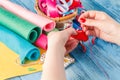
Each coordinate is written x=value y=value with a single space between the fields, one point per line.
x=20 y=26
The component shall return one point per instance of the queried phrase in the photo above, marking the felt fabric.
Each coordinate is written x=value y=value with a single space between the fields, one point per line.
x=19 y=45
x=9 y=57
x=44 y=23
x=42 y=41
x=22 y=27
x=84 y=68
x=9 y=67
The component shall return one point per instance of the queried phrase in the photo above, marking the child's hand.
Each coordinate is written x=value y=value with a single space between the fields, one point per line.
x=101 y=25
x=61 y=40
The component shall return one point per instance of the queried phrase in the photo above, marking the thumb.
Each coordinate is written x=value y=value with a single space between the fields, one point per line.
x=69 y=31
x=96 y=23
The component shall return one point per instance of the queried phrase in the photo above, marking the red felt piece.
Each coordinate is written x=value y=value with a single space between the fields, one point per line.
x=81 y=36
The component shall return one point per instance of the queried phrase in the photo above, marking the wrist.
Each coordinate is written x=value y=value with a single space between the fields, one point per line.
x=117 y=37
x=56 y=49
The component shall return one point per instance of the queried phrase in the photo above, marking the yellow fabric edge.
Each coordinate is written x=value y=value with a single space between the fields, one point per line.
x=8 y=66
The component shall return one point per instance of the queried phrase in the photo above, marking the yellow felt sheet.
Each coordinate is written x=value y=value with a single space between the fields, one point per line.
x=8 y=66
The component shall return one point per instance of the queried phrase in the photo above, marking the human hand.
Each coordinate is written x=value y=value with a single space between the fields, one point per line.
x=101 y=25
x=61 y=40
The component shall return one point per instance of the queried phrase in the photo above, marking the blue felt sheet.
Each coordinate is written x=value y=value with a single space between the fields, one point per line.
x=16 y=43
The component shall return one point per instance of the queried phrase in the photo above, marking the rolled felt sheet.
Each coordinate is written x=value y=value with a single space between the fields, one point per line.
x=22 y=27
x=45 y=23
x=42 y=42
x=19 y=45
x=55 y=30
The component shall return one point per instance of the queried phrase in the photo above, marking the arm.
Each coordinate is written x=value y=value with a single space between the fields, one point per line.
x=53 y=68
x=101 y=25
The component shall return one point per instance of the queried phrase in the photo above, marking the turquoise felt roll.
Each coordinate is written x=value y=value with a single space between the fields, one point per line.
x=22 y=47
x=22 y=27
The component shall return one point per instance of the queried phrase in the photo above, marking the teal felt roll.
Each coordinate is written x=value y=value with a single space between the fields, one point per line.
x=22 y=27
x=19 y=45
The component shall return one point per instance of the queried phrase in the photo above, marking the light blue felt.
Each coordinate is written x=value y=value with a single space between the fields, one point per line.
x=19 y=45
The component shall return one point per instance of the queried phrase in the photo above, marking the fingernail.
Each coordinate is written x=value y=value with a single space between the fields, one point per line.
x=84 y=28
x=83 y=20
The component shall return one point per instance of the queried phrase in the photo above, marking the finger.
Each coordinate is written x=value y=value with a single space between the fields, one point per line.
x=82 y=25
x=96 y=23
x=90 y=28
x=89 y=14
x=85 y=29
x=90 y=33
x=71 y=47
x=71 y=41
x=69 y=31
x=51 y=33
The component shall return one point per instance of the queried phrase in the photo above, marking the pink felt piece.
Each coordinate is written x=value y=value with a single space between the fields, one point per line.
x=58 y=8
x=42 y=42
x=49 y=8
x=44 y=23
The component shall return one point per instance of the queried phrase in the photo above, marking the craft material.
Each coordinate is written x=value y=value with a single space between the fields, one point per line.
x=22 y=47
x=58 y=8
x=44 y=23
x=8 y=66
x=42 y=42
x=81 y=36
x=50 y=14
x=20 y=26
x=31 y=69
x=13 y=69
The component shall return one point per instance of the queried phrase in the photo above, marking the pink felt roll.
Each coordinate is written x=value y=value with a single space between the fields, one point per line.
x=45 y=23
x=42 y=42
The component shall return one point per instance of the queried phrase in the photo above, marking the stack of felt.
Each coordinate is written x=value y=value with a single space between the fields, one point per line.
x=16 y=43
x=15 y=32
x=44 y=23
x=39 y=20
x=16 y=49
x=10 y=68
x=18 y=32
x=20 y=26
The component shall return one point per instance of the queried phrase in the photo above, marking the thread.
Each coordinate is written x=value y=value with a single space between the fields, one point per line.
x=95 y=60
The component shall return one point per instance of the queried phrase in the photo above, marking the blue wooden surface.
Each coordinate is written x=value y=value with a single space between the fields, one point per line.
x=103 y=63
